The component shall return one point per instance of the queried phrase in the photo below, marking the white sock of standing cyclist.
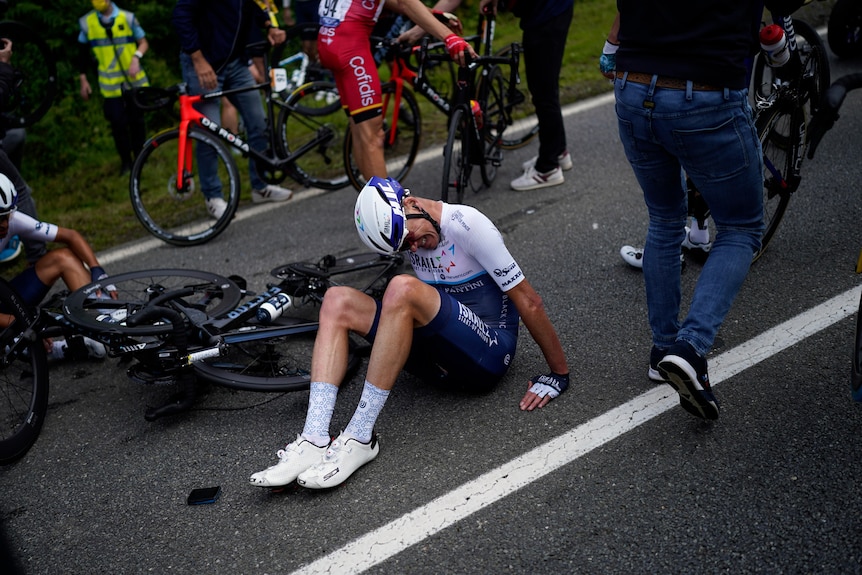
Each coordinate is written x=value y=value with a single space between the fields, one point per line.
x=361 y=426
x=321 y=403
x=697 y=234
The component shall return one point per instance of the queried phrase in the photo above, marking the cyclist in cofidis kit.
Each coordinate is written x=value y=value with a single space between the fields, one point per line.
x=344 y=48
x=453 y=324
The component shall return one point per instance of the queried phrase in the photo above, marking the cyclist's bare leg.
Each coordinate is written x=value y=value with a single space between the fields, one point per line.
x=62 y=264
x=407 y=304
x=344 y=309
x=368 y=147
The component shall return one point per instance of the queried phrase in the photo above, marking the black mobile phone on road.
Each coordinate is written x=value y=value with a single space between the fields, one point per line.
x=204 y=495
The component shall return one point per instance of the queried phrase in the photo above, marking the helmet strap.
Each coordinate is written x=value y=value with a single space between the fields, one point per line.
x=425 y=216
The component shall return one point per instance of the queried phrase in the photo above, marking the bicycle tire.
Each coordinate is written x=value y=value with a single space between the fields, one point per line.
x=521 y=111
x=815 y=64
x=844 y=30
x=490 y=91
x=856 y=367
x=214 y=296
x=35 y=70
x=775 y=128
x=181 y=218
x=271 y=364
x=312 y=119
x=23 y=379
x=457 y=167
x=400 y=146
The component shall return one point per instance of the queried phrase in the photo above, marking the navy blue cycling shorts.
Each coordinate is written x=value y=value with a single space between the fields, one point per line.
x=457 y=350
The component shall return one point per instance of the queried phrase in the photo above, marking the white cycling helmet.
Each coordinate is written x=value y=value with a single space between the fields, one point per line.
x=379 y=215
x=8 y=195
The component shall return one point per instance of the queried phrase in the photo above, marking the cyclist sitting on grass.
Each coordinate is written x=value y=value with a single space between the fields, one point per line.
x=67 y=264
x=454 y=324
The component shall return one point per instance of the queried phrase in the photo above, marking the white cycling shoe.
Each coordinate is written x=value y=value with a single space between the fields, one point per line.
x=295 y=458
x=344 y=456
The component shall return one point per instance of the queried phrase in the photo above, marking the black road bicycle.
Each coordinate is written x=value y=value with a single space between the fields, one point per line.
x=179 y=327
x=785 y=100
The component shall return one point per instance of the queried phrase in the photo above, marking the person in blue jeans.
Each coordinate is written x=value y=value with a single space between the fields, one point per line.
x=682 y=103
x=214 y=35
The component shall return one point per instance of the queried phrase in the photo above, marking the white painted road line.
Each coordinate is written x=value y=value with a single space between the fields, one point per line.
x=420 y=524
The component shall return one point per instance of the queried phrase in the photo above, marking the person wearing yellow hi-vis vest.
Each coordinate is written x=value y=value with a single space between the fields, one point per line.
x=117 y=42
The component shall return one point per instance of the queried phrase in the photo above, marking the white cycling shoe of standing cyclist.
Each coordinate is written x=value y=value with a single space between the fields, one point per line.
x=635 y=256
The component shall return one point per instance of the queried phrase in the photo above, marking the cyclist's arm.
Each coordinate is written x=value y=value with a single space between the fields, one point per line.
x=79 y=246
x=532 y=311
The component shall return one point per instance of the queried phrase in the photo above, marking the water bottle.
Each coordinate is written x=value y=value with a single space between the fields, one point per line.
x=774 y=44
x=273 y=308
x=477 y=114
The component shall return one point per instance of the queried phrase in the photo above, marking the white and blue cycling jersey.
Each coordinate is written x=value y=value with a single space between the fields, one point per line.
x=27 y=283
x=471 y=342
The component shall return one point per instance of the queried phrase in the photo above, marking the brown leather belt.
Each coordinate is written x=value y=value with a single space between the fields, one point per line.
x=666 y=82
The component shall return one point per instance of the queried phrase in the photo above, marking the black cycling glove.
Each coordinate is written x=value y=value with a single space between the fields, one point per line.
x=551 y=385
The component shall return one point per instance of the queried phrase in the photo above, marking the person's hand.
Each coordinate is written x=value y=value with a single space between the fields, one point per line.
x=276 y=36
x=542 y=389
x=205 y=73
x=134 y=66
x=450 y=20
x=86 y=90
x=98 y=274
x=488 y=7
x=608 y=61
x=6 y=50
x=458 y=49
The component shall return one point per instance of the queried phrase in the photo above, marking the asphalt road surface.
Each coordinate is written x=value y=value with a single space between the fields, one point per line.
x=613 y=477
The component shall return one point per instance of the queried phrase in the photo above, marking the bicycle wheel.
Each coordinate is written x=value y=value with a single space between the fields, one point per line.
x=815 y=69
x=402 y=130
x=519 y=108
x=23 y=379
x=312 y=127
x=209 y=294
x=777 y=130
x=844 y=31
x=491 y=91
x=856 y=370
x=273 y=364
x=35 y=80
x=457 y=167
x=180 y=217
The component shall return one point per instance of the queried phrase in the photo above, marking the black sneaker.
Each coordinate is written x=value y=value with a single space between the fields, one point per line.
x=655 y=356
x=686 y=371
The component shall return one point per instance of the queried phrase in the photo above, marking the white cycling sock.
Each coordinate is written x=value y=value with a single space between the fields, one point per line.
x=698 y=235
x=321 y=403
x=371 y=403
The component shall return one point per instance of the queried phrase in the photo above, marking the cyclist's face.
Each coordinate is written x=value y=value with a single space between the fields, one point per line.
x=4 y=225
x=421 y=234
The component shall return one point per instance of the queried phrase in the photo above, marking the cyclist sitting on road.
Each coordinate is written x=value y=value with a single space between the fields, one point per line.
x=455 y=324
x=344 y=48
x=67 y=264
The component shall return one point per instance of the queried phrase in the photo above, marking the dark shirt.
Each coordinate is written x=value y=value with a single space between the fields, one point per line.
x=705 y=41
x=7 y=81
x=218 y=28
x=536 y=12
